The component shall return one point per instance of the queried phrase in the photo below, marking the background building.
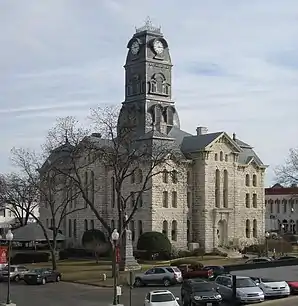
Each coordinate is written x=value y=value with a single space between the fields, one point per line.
x=216 y=199
x=282 y=208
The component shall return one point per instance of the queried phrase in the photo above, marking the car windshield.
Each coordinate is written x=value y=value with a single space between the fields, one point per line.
x=203 y=287
x=165 y=297
x=245 y=283
x=267 y=280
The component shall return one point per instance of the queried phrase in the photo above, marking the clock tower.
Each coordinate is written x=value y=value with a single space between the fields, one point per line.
x=148 y=84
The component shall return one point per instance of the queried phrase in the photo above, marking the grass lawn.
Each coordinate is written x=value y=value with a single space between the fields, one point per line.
x=91 y=273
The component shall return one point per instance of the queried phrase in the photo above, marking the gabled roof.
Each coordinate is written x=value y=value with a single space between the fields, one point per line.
x=202 y=142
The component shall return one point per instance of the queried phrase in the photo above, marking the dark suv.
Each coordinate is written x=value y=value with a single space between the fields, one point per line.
x=200 y=293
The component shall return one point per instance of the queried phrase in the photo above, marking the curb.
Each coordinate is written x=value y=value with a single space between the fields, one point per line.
x=86 y=284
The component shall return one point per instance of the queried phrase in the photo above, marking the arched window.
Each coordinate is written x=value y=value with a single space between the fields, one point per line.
x=165 y=176
x=254 y=180
x=139 y=176
x=69 y=228
x=170 y=116
x=226 y=157
x=113 y=191
x=165 y=228
x=165 y=199
x=216 y=157
x=188 y=231
x=86 y=188
x=153 y=87
x=92 y=224
x=254 y=200
x=85 y=225
x=221 y=156
x=247 y=180
x=174 y=199
x=226 y=189
x=247 y=228
x=174 y=177
x=174 y=230
x=217 y=188
x=255 y=228
x=247 y=200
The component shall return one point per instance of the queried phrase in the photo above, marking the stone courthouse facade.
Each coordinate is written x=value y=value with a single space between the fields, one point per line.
x=216 y=199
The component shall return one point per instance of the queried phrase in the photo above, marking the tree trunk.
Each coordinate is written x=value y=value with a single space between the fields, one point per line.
x=54 y=260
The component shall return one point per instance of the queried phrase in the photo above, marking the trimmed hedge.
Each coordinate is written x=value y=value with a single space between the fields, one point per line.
x=34 y=257
x=79 y=253
x=280 y=246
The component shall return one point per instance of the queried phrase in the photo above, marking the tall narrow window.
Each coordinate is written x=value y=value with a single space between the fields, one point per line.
x=247 y=180
x=165 y=176
x=174 y=199
x=271 y=206
x=75 y=228
x=139 y=176
x=174 y=177
x=113 y=225
x=165 y=228
x=277 y=206
x=285 y=206
x=189 y=199
x=247 y=228
x=47 y=222
x=92 y=187
x=217 y=188
x=85 y=225
x=254 y=180
x=188 y=231
x=255 y=228
x=254 y=200
x=221 y=156
x=132 y=178
x=188 y=178
x=226 y=189
x=132 y=199
x=86 y=188
x=140 y=200
x=140 y=228
x=174 y=230
x=132 y=228
x=69 y=228
x=165 y=199
x=247 y=200
x=92 y=224
x=216 y=157
x=113 y=191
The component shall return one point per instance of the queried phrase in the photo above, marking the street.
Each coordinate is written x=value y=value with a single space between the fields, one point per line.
x=62 y=294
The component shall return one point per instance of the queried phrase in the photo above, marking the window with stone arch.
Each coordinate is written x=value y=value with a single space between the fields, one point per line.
x=247 y=180
x=152 y=86
x=216 y=157
x=85 y=225
x=170 y=115
x=165 y=228
x=254 y=180
x=174 y=230
x=69 y=228
x=217 y=188
x=247 y=228
x=221 y=156
x=255 y=228
x=165 y=176
x=226 y=189
x=139 y=176
x=174 y=177
x=188 y=231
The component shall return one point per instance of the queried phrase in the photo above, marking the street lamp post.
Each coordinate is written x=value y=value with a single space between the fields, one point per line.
x=9 y=238
x=267 y=235
x=115 y=238
x=281 y=238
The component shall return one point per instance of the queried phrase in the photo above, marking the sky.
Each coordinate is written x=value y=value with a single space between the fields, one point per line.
x=235 y=66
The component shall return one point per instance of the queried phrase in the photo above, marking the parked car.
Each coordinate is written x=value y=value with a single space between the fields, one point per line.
x=246 y=289
x=16 y=273
x=159 y=275
x=217 y=270
x=191 y=271
x=293 y=286
x=42 y=276
x=272 y=287
x=161 y=297
x=287 y=258
x=258 y=260
x=199 y=292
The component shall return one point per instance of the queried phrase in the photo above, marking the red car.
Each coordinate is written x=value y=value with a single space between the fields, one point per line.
x=293 y=286
x=190 y=271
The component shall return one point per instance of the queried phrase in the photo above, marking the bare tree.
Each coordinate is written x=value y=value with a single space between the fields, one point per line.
x=19 y=196
x=56 y=193
x=288 y=172
x=126 y=159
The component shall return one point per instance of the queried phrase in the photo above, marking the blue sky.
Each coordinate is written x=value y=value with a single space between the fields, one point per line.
x=235 y=66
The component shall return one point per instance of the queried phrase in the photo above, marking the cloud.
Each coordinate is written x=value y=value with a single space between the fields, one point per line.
x=235 y=65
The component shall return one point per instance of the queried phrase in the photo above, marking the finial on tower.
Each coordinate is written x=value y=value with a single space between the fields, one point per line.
x=149 y=27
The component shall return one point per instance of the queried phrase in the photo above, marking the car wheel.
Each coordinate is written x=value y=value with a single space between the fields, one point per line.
x=166 y=282
x=17 y=278
x=43 y=281
x=58 y=278
x=138 y=282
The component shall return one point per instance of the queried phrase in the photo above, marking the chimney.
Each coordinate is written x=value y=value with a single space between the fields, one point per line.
x=234 y=136
x=201 y=130
x=97 y=135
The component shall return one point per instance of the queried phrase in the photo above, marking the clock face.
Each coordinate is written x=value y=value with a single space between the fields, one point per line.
x=135 y=47
x=158 y=47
